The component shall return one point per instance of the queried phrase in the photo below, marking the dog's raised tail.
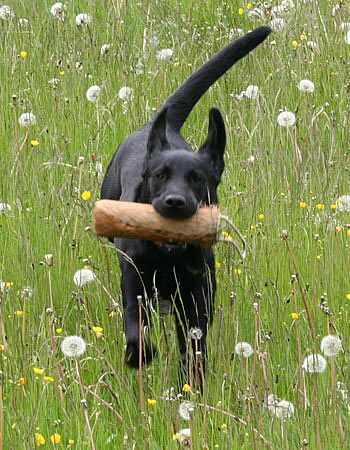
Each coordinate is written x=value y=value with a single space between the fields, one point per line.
x=186 y=96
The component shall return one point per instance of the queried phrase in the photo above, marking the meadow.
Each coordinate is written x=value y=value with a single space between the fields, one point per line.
x=285 y=186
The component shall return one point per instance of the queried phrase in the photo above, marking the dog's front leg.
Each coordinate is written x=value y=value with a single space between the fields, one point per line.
x=136 y=284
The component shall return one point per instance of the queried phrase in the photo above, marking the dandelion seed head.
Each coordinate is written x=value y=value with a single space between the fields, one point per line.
x=196 y=333
x=83 y=277
x=73 y=346
x=252 y=92
x=331 y=345
x=186 y=410
x=105 y=48
x=277 y=24
x=93 y=93
x=284 y=410
x=234 y=32
x=184 y=436
x=244 y=349
x=6 y=13
x=306 y=86
x=27 y=119
x=4 y=208
x=286 y=119
x=58 y=10
x=126 y=93
x=314 y=363
x=83 y=19
x=165 y=54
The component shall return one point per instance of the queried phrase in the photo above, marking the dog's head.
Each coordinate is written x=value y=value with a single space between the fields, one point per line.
x=178 y=180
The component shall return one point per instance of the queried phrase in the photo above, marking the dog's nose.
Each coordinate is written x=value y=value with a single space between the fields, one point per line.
x=175 y=201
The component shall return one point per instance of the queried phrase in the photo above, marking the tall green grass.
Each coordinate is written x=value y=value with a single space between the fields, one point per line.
x=298 y=257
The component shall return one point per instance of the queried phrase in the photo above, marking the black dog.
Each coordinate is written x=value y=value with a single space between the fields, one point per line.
x=156 y=165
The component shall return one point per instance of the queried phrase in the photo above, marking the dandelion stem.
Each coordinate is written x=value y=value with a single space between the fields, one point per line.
x=142 y=397
x=81 y=163
x=317 y=427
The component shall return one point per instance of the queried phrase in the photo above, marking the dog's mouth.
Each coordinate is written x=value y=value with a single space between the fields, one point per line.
x=179 y=208
x=172 y=248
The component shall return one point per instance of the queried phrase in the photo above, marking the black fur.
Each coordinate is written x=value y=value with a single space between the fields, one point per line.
x=156 y=165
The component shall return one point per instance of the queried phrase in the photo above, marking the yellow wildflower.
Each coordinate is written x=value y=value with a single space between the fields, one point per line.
x=19 y=313
x=13 y=426
x=62 y=72
x=238 y=271
x=240 y=11
x=294 y=316
x=176 y=64
x=217 y=264
x=295 y=44
x=38 y=371
x=151 y=401
x=338 y=228
x=71 y=441
x=348 y=296
x=34 y=143
x=261 y=216
x=49 y=379
x=2 y=347
x=59 y=330
x=22 y=381
x=348 y=232
x=175 y=436
x=40 y=440
x=24 y=54
x=302 y=205
x=320 y=206
x=249 y=6
x=187 y=387
x=97 y=329
x=55 y=438
x=303 y=37
x=226 y=235
x=223 y=426
x=334 y=206
x=86 y=195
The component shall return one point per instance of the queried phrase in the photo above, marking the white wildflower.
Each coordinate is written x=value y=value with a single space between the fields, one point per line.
x=331 y=345
x=105 y=48
x=165 y=54
x=93 y=93
x=288 y=4
x=4 y=208
x=196 y=333
x=49 y=259
x=169 y=394
x=314 y=363
x=126 y=93
x=23 y=22
x=256 y=13
x=234 y=32
x=252 y=92
x=278 y=11
x=27 y=119
x=286 y=119
x=284 y=410
x=244 y=349
x=186 y=410
x=277 y=24
x=306 y=86
x=54 y=82
x=6 y=13
x=270 y=402
x=83 y=277
x=251 y=159
x=83 y=19
x=343 y=203
x=73 y=346
x=312 y=45
x=58 y=10
x=26 y=293
x=184 y=436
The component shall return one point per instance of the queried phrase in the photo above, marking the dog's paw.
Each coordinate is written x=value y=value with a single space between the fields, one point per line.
x=132 y=354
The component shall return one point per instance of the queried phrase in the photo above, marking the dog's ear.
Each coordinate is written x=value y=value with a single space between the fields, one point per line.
x=214 y=145
x=157 y=140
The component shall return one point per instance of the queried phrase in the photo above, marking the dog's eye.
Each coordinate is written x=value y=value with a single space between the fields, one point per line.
x=195 y=177
x=161 y=175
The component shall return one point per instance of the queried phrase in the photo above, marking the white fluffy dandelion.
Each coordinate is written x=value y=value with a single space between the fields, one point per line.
x=306 y=86
x=105 y=48
x=270 y=402
x=184 y=436
x=244 y=349
x=331 y=345
x=345 y=26
x=4 y=208
x=284 y=410
x=343 y=203
x=58 y=10
x=83 y=19
x=125 y=93
x=165 y=54
x=186 y=410
x=73 y=346
x=277 y=24
x=93 y=93
x=6 y=13
x=314 y=363
x=196 y=333
x=286 y=119
x=83 y=277
x=252 y=91
x=27 y=119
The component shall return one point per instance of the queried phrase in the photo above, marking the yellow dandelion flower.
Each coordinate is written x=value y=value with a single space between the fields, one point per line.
x=62 y=72
x=302 y=205
x=14 y=425
x=49 y=379
x=348 y=232
x=319 y=257
x=34 y=143
x=19 y=313
x=112 y=314
x=55 y=438
x=59 y=330
x=176 y=64
x=71 y=441
x=175 y=436
x=151 y=401
x=340 y=200
x=240 y=11
x=97 y=329
x=238 y=271
x=217 y=264
x=249 y=6
x=223 y=426
x=261 y=217
x=295 y=44
x=187 y=387
x=282 y=194
x=295 y=316
x=226 y=235
x=303 y=37
x=320 y=206
x=334 y=206
x=22 y=381
x=38 y=371
x=338 y=228
x=9 y=284
x=2 y=348
x=40 y=440
x=86 y=195
x=24 y=54
x=348 y=296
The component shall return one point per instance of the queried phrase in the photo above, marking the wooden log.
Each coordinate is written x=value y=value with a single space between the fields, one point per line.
x=113 y=218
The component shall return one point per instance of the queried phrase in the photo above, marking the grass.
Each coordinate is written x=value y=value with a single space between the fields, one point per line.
x=298 y=257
